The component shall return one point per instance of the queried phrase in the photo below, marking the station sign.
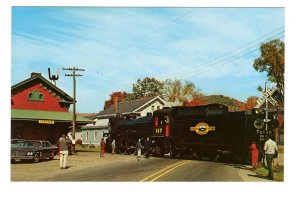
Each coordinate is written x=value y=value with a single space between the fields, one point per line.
x=46 y=121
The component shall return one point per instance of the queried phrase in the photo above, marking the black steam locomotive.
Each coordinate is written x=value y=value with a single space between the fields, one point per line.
x=201 y=132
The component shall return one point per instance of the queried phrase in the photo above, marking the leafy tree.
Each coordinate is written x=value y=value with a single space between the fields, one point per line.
x=173 y=91
x=271 y=61
x=178 y=92
x=250 y=103
x=120 y=95
x=197 y=100
x=146 y=88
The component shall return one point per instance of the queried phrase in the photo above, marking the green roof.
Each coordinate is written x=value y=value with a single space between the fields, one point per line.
x=33 y=115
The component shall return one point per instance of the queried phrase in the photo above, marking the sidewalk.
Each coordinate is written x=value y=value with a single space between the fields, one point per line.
x=248 y=176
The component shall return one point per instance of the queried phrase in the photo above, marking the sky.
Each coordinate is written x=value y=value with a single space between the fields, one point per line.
x=212 y=47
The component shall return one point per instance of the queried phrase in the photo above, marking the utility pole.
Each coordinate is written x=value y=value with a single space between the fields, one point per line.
x=74 y=69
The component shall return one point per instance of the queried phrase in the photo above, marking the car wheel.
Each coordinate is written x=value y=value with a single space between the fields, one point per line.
x=36 y=158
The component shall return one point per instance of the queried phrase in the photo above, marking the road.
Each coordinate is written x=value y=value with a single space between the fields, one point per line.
x=154 y=169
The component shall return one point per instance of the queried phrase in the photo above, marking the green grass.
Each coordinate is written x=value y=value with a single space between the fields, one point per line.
x=88 y=149
x=278 y=172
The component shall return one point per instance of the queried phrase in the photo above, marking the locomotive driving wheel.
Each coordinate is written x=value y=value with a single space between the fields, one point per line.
x=131 y=147
x=121 y=146
x=157 y=150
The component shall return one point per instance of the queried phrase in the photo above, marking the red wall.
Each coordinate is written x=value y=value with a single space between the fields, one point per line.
x=50 y=103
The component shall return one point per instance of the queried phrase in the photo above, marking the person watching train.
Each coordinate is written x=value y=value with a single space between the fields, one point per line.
x=139 y=148
x=147 y=147
x=270 y=147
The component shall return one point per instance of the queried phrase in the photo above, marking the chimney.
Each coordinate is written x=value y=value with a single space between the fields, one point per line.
x=35 y=74
x=116 y=104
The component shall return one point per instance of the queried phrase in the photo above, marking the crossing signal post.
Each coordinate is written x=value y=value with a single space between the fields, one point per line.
x=266 y=98
x=74 y=70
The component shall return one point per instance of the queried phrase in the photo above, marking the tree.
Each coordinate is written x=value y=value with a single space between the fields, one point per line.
x=197 y=100
x=120 y=95
x=147 y=87
x=178 y=92
x=250 y=103
x=271 y=61
x=172 y=91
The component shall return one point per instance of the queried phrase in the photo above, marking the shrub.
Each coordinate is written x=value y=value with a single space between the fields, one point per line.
x=78 y=142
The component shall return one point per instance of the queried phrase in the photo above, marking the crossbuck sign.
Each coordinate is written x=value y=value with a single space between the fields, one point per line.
x=267 y=96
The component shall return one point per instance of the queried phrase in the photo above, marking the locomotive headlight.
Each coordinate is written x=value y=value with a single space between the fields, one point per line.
x=255 y=111
x=259 y=124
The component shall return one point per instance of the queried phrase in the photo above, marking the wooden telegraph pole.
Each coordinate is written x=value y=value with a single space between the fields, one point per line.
x=74 y=69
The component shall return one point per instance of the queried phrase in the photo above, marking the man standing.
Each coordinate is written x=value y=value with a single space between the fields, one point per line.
x=147 y=147
x=113 y=147
x=139 y=148
x=63 y=143
x=270 y=148
x=102 y=147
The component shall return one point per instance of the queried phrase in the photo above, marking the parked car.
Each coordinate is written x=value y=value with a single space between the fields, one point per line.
x=34 y=150
x=16 y=141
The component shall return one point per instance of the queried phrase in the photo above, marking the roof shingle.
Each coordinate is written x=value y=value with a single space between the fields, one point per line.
x=127 y=106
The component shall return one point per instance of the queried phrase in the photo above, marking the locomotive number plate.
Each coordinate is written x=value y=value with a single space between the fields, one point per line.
x=158 y=130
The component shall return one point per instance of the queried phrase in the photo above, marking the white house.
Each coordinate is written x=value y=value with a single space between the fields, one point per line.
x=92 y=134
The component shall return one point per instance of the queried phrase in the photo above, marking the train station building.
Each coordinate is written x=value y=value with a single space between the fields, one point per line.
x=40 y=110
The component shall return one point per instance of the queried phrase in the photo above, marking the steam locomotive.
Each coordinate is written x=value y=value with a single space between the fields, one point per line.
x=201 y=132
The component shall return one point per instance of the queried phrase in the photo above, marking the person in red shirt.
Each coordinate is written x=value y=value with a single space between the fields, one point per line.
x=254 y=153
x=102 y=147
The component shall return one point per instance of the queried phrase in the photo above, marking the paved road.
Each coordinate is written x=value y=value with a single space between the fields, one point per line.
x=154 y=169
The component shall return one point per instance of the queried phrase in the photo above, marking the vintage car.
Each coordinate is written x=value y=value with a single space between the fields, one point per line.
x=34 y=150
x=15 y=141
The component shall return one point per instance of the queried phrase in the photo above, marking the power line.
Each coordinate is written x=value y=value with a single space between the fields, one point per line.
x=229 y=53
x=209 y=69
x=211 y=63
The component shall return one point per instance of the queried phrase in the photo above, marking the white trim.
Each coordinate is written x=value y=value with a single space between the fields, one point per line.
x=95 y=134
x=150 y=101
x=87 y=136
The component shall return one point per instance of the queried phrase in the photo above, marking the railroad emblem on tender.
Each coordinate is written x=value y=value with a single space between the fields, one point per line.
x=202 y=128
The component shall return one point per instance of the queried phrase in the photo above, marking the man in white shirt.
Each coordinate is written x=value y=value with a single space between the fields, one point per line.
x=270 y=148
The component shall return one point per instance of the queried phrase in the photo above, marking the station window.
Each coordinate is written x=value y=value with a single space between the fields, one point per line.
x=87 y=136
x=35 y=96
x=96 y=136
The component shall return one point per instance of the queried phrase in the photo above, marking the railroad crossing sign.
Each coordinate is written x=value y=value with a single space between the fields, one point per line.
x=267 y=96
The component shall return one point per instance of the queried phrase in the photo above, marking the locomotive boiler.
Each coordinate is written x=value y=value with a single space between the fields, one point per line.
x=201 y=132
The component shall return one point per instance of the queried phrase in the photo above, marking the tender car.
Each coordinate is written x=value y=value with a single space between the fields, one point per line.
x=34 y=150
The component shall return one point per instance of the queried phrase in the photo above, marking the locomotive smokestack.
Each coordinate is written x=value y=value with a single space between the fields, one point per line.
x=116 y=104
